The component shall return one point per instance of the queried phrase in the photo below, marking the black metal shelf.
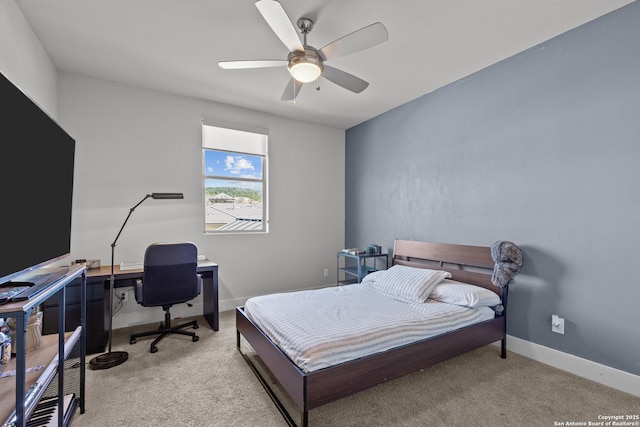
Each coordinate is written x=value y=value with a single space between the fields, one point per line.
x=22 y=392
x=354 y=271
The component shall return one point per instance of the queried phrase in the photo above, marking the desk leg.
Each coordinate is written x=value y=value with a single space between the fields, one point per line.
x=210 y=297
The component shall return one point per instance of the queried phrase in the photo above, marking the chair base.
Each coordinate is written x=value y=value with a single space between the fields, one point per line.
x=166 y=329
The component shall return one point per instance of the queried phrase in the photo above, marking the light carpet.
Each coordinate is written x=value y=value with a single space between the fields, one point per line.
x=208 y=383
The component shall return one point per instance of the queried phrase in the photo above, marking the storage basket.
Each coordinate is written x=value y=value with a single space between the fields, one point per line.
x=33 y=337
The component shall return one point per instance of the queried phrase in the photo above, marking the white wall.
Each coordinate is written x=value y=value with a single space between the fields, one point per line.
x=130 y=142
x=23 y=59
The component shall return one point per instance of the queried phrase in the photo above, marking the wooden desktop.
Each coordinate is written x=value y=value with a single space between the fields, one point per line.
x=98 y=295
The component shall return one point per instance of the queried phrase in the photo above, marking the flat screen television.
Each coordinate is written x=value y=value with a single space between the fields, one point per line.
x=36 y=186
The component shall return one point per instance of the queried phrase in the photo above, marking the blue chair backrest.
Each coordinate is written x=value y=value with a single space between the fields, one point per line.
x=170 y=274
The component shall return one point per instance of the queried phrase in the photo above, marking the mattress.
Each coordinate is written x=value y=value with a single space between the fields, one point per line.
x=324 y=327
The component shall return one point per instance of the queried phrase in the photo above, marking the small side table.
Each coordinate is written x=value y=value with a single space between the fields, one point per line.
x=359 y=267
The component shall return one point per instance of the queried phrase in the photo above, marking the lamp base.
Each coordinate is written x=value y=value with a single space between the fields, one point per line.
x=108 y=360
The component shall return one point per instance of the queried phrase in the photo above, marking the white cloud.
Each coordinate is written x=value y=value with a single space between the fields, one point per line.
x=237 y=164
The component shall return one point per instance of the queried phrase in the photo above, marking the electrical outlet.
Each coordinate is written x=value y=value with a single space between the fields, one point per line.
x=124 y=296
x=326 y=272
x=557 y=324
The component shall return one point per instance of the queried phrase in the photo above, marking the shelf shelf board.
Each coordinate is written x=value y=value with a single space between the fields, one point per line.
x=43 y=356
x=365 y=270
x=347 y=282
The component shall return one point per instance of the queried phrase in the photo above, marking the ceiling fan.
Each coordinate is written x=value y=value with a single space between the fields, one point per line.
x=305 y=62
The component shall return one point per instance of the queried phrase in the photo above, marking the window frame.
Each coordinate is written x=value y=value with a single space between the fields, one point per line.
x=257 y=148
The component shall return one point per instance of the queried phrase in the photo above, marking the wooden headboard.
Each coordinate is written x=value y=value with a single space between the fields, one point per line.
x=469 y=264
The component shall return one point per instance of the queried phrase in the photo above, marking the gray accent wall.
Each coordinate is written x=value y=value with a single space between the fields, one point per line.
x=541 y=149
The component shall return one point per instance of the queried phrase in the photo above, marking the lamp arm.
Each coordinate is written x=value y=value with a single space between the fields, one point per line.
x=127 y=219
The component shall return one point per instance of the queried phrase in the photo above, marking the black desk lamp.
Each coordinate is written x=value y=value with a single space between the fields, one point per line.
x=115 y=358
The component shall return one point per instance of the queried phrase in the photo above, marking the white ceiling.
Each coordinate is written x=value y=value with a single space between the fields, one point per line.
x=174 y=46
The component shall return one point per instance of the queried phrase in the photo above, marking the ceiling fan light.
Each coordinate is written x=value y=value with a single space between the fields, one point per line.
x=306 y=66
x=305 y=72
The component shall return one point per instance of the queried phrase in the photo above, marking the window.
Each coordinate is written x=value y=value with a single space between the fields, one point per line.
x=235 y=184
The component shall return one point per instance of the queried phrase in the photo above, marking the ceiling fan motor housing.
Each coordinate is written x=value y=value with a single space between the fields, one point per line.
x=306 y=66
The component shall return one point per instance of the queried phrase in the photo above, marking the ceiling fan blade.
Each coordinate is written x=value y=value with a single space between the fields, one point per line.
x=238 y=65
x=291 y=90
x=280 y=23
x=344 y=79
x=361 y=39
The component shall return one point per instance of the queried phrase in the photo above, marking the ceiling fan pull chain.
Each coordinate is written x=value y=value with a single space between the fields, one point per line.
x=294 y=102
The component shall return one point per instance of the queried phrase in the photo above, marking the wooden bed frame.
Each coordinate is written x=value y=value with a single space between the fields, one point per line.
x=309 y=390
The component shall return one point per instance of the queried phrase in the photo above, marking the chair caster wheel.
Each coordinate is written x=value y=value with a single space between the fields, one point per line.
x=132 y=341
x=196 y=338
x=196 y=326
x=154 y=349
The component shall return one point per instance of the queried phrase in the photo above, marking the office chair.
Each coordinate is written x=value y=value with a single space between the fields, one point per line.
x=169 y=278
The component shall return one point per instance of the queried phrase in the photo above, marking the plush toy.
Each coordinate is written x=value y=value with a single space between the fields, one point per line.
x=508 y=259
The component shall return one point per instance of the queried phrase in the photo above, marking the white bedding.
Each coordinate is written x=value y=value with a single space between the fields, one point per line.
x=325 y=327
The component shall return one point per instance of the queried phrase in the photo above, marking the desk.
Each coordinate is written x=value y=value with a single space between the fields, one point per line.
x=99 y=277
x=125 y=278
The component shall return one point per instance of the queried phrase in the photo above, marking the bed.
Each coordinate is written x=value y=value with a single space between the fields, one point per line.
x=310 y=386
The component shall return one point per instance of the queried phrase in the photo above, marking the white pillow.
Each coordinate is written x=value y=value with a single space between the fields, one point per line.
x=372 y=277
x=464 y=294
x=407 y=284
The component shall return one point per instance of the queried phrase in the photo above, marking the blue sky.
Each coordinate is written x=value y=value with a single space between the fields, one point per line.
x=232 y=165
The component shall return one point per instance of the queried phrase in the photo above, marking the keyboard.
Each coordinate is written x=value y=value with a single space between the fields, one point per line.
x=6 y=296
x=35 y=283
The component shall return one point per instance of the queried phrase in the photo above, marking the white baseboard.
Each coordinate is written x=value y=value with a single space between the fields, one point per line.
x=611 y=377
x=147 y=315
x=231 y=304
